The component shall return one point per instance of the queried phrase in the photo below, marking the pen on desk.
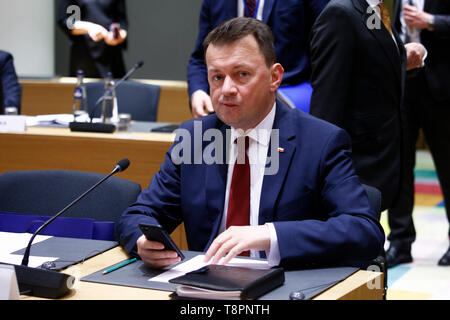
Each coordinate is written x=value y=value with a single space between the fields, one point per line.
x=123 y=264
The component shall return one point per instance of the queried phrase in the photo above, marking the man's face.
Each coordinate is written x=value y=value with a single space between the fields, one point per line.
x=242 y=87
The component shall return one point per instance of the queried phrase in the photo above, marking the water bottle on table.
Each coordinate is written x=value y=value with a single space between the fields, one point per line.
x=79 y=106
x=109 y=105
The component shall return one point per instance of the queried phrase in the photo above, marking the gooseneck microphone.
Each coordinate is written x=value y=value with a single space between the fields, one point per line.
x=124 y=78
x=35 y=280
x=99 y=126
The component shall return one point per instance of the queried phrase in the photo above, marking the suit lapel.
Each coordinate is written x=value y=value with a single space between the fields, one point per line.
x=384 y=39
x=215 y=185
x=268 y=5
x=230 y=9
x=273 y=183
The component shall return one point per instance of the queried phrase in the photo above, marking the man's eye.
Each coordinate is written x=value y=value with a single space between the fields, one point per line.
x=217 y=78
x=244 y=74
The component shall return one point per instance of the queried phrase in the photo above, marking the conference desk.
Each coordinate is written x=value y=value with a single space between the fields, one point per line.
x=41 y=148
x=355 y=287
x=54 y=95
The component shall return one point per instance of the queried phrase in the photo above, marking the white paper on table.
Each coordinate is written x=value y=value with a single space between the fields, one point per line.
x=11 y=242
x=197 y=262
x=62 y=119
x=33 y=261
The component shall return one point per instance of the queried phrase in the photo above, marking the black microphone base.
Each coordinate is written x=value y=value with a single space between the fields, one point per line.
x=92 y=127
x=43 y=283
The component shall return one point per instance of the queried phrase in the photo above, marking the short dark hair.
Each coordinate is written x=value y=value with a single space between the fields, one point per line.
x=237 y=28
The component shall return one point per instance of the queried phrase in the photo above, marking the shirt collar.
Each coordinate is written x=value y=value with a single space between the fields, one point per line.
x=373 y=3
x=260 y=133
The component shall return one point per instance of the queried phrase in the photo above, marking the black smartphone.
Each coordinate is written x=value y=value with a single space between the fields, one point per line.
x=155 y=232
x=114 y=28
x=166 y=128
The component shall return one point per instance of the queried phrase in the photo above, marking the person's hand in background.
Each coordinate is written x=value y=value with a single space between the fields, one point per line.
x=201 y=104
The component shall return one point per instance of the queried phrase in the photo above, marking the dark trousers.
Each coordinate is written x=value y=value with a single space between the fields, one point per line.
x=420 y=110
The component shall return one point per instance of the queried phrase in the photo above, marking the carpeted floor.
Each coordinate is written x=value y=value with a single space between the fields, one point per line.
x=423 y=279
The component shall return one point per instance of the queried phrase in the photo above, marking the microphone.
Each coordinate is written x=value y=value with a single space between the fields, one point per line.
x=48 y=283
x=102 y=127
x=125 y=77
x=122 y=165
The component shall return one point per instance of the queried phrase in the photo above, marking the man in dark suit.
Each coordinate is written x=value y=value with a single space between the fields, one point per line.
x=358 y=71
x=426 y=106
x=295 y=199
x=10 y=88
x=290 y=21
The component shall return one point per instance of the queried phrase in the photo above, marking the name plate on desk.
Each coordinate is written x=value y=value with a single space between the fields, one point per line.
x=13 y=123
x=9 y=289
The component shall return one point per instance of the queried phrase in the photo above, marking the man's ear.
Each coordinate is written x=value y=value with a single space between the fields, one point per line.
x=276 y=72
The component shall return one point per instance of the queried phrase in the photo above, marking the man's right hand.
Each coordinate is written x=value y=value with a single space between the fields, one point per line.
x=201 y=104
x=153 y=254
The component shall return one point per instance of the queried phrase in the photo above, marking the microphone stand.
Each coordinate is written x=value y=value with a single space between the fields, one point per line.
x=102 y=127
x=26 y=255
x=48 y=283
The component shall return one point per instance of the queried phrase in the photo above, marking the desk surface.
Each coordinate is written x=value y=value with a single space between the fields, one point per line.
x=354 y=287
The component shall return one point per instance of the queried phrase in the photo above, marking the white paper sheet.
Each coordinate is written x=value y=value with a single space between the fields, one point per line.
x=197 y=262
x=32 y=262
x=11 y=242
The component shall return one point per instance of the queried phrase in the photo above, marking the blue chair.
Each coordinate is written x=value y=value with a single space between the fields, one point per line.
x=136 y=98
x=297 y=96
x=42 y=193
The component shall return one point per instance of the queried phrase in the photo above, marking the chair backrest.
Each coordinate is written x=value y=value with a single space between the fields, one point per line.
x=374 y=196
x=46 y=192
x=136 y=98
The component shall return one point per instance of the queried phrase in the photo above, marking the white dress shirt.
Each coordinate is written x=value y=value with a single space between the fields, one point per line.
x=259 y=139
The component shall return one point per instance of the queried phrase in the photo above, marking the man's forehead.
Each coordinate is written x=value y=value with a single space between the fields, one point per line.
x=248 y=42
x=237 y=54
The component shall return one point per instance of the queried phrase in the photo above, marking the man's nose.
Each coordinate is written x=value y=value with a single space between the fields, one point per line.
x=229 y=87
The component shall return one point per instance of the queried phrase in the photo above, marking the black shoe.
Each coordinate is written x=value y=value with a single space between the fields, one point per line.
x=445 y=260
x=398 y=254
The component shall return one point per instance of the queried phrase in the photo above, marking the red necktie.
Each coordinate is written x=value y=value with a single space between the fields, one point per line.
x=239 y=197
x=251 y=4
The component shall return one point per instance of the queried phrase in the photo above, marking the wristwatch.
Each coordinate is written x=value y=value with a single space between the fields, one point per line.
x=430 y=26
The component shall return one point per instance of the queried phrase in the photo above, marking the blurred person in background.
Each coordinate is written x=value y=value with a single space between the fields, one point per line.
x=97 y=36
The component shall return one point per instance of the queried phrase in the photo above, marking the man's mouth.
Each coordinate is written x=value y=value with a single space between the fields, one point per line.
x=229 y=104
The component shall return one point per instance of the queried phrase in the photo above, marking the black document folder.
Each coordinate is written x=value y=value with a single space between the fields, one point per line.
x=228 y=282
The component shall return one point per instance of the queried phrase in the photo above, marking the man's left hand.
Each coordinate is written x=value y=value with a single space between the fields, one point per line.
x=416 y=18
x=414 y=55
x=111 y=41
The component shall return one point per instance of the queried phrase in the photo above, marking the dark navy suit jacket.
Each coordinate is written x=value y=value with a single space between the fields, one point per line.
x=358 y=77
x=437 y=63
x=319 y=209
x=10 y=88
x=290 y=22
